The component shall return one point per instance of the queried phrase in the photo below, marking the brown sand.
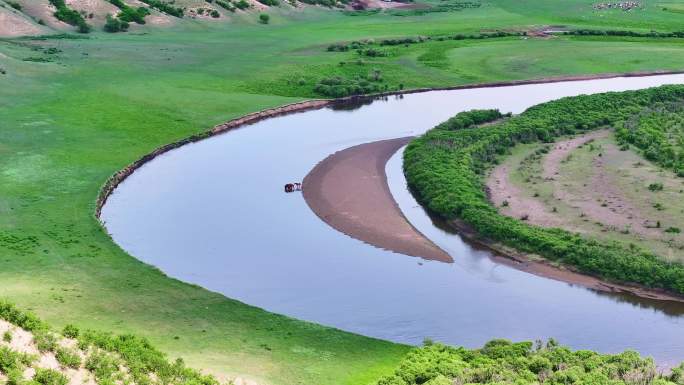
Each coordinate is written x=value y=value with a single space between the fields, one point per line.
x=348 y=190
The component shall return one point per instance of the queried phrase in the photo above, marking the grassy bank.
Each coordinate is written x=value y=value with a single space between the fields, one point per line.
x=70 y=118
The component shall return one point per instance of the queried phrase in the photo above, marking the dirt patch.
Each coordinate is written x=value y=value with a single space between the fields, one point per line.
x=14 y=24
x=349 y=191
x=512 y=201
x=43 y=10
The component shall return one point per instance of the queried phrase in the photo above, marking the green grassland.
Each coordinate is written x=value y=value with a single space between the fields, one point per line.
x=69 y=119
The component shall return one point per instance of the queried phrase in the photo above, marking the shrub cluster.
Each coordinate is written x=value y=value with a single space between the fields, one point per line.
x=468 y=119
x=338 y=86
x=658 y=132
x=445 y=167
x=409 y=40
x=504 y=362
x=609 y=32
x=70 y=16
x=164 y=7
x=113 y=25
x=130 y=14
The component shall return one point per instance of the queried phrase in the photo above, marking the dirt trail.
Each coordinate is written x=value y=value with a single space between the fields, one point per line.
x=348 y=190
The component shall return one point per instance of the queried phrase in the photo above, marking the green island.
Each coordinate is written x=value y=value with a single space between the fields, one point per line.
x=80 y=99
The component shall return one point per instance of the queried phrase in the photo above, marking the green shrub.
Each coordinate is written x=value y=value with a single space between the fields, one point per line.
x=14 y=5
x=504 y=362
x=49 y=377
x=242 y=4
x=113 y=25
x=45 y=341
x=164 y=7
x=70 y=16
x=68 y=358
x=264 y=18
x=7 y=336
x=70 y=331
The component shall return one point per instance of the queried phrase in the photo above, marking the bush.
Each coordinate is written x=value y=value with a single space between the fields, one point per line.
x=164 y=7
x=68 y=358
x=113 y=25
x=242 y=4
x=14 y=5
x=7 y=336
x=505 y=362
x=70 y=16
x=70 y=331
x=49 y=377
x=264 y=18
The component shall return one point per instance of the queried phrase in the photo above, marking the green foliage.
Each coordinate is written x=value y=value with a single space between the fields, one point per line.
x=49 y=377
x=141 y=358
x=468 y=119
x=264 y=18
x=338 y=86
x=68 y=357
x=655 y=187
x=7 y=336
x=270 y=3
x=445 y=168
x=504 y=362
x=113 y=25
x=242 y=4
x=658 y=132
x=130 y=14
x=225 y=5
x=70 y=331
x=24 y=320
x=45 y=341
x=612 y=32
x=164 y=7
x=14 y=5
x=70 y=16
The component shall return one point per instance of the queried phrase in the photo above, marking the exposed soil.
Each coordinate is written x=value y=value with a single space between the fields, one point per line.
x=512 y=201
x=348 y=190
x=14 y=24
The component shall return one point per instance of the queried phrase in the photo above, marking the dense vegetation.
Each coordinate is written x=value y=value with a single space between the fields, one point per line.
x=445 y=168
x=659 y=133
x=164 y=7
x=113 y=24
x=504 y=362
x=129 y=14
x=70 y=16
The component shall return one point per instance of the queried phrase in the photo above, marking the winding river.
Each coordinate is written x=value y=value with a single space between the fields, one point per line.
x=213 y=213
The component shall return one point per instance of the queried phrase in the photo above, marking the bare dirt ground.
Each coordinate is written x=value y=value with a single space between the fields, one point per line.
x=512 y=201
x=349 y=191
x=14 y=24
x=96 y=10
x=586 y=184
x=42 y=10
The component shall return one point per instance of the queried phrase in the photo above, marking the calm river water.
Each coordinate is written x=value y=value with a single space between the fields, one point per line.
x=213 y=213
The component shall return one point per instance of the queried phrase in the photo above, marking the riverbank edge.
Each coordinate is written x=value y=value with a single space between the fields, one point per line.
x=361 y=223
x=517 y=260
x=314 y=104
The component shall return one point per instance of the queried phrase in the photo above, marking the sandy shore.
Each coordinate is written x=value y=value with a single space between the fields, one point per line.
x=348 y=190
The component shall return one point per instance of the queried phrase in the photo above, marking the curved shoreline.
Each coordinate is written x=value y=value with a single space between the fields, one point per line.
x=313 y=104
x=505 y=256
x=547 y=269
x=348 y=190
